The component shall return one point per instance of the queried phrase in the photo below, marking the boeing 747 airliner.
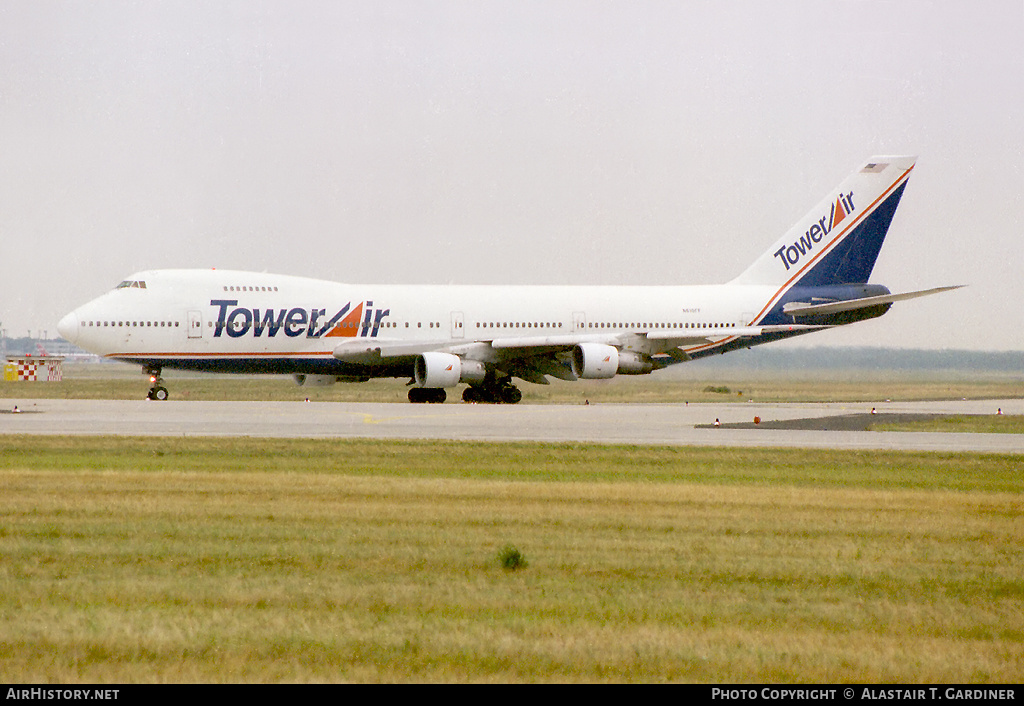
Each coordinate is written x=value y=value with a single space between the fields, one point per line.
x=814 y=277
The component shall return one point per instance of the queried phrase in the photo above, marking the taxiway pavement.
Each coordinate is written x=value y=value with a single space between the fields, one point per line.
x=644 y=424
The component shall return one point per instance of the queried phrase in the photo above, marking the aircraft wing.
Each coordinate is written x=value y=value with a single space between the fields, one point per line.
x=668 y=335
x=806 y=309
x=563 y=341
x=534 y=356
x=373 y=350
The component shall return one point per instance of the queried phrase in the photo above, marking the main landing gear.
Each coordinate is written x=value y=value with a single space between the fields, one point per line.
x=493 y=391
x=433 y=395
x=157 y=391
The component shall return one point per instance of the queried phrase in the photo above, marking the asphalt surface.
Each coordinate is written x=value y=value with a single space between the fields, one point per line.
x=838 y=422
x=799 y=425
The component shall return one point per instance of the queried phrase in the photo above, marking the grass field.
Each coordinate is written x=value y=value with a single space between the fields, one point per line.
x=306 y=560
x=962 y=423
x=692 y=384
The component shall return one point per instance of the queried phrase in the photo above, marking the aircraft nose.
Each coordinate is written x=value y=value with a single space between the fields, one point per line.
x=68 y=327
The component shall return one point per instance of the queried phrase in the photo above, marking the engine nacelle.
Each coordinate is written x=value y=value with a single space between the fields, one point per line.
x=631 y=363
x=437 y=370
x=595 y=361
x=473 y=372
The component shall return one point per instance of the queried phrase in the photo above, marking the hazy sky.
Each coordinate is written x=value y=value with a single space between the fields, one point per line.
x=510 y=142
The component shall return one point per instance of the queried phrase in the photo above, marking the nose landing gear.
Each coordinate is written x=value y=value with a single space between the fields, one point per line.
x=157 y=391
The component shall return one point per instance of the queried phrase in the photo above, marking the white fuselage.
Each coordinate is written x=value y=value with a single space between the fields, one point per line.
x=813 y=276
x=183 y=317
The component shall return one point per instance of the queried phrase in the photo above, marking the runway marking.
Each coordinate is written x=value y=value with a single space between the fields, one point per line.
x=373 y=419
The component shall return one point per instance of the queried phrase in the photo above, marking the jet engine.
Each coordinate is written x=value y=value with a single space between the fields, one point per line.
x=594 y=361
x=598 y=361
x=631 y=363
x=434 y=369
x=437 y=370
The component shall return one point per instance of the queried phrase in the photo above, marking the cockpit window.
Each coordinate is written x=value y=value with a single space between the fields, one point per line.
x=138 y=284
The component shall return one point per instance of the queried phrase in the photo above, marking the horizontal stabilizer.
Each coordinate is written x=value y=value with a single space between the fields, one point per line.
x=805 y=309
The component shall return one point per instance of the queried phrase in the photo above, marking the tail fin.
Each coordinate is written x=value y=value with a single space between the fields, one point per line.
x=838 y=242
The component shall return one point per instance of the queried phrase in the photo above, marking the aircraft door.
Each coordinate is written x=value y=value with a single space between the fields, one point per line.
x=195 y=324
x=579 y=321
x=458 y=327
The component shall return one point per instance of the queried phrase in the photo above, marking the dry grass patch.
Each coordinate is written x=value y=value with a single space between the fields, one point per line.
x=305 y=572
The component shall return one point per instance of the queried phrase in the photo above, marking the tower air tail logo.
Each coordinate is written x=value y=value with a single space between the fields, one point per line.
x=839 y=211
x=791 y=254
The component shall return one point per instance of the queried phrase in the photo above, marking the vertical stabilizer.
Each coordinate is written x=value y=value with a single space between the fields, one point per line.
x=839 y=240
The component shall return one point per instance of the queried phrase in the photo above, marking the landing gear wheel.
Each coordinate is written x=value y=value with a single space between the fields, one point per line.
x=506 y=393
x=511 y=394
x=433 y=395
x=157 y=391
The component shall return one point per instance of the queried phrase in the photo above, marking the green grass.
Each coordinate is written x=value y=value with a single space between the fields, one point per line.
x=161 y=559
x=966 y=423
x=525 y=461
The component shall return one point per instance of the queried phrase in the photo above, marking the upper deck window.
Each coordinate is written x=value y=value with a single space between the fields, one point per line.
x=247 y=288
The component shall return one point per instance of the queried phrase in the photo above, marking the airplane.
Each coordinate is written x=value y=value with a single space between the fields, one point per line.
x=812 y=278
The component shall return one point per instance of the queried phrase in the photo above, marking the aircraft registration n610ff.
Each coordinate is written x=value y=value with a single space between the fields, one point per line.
x=813 y=277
